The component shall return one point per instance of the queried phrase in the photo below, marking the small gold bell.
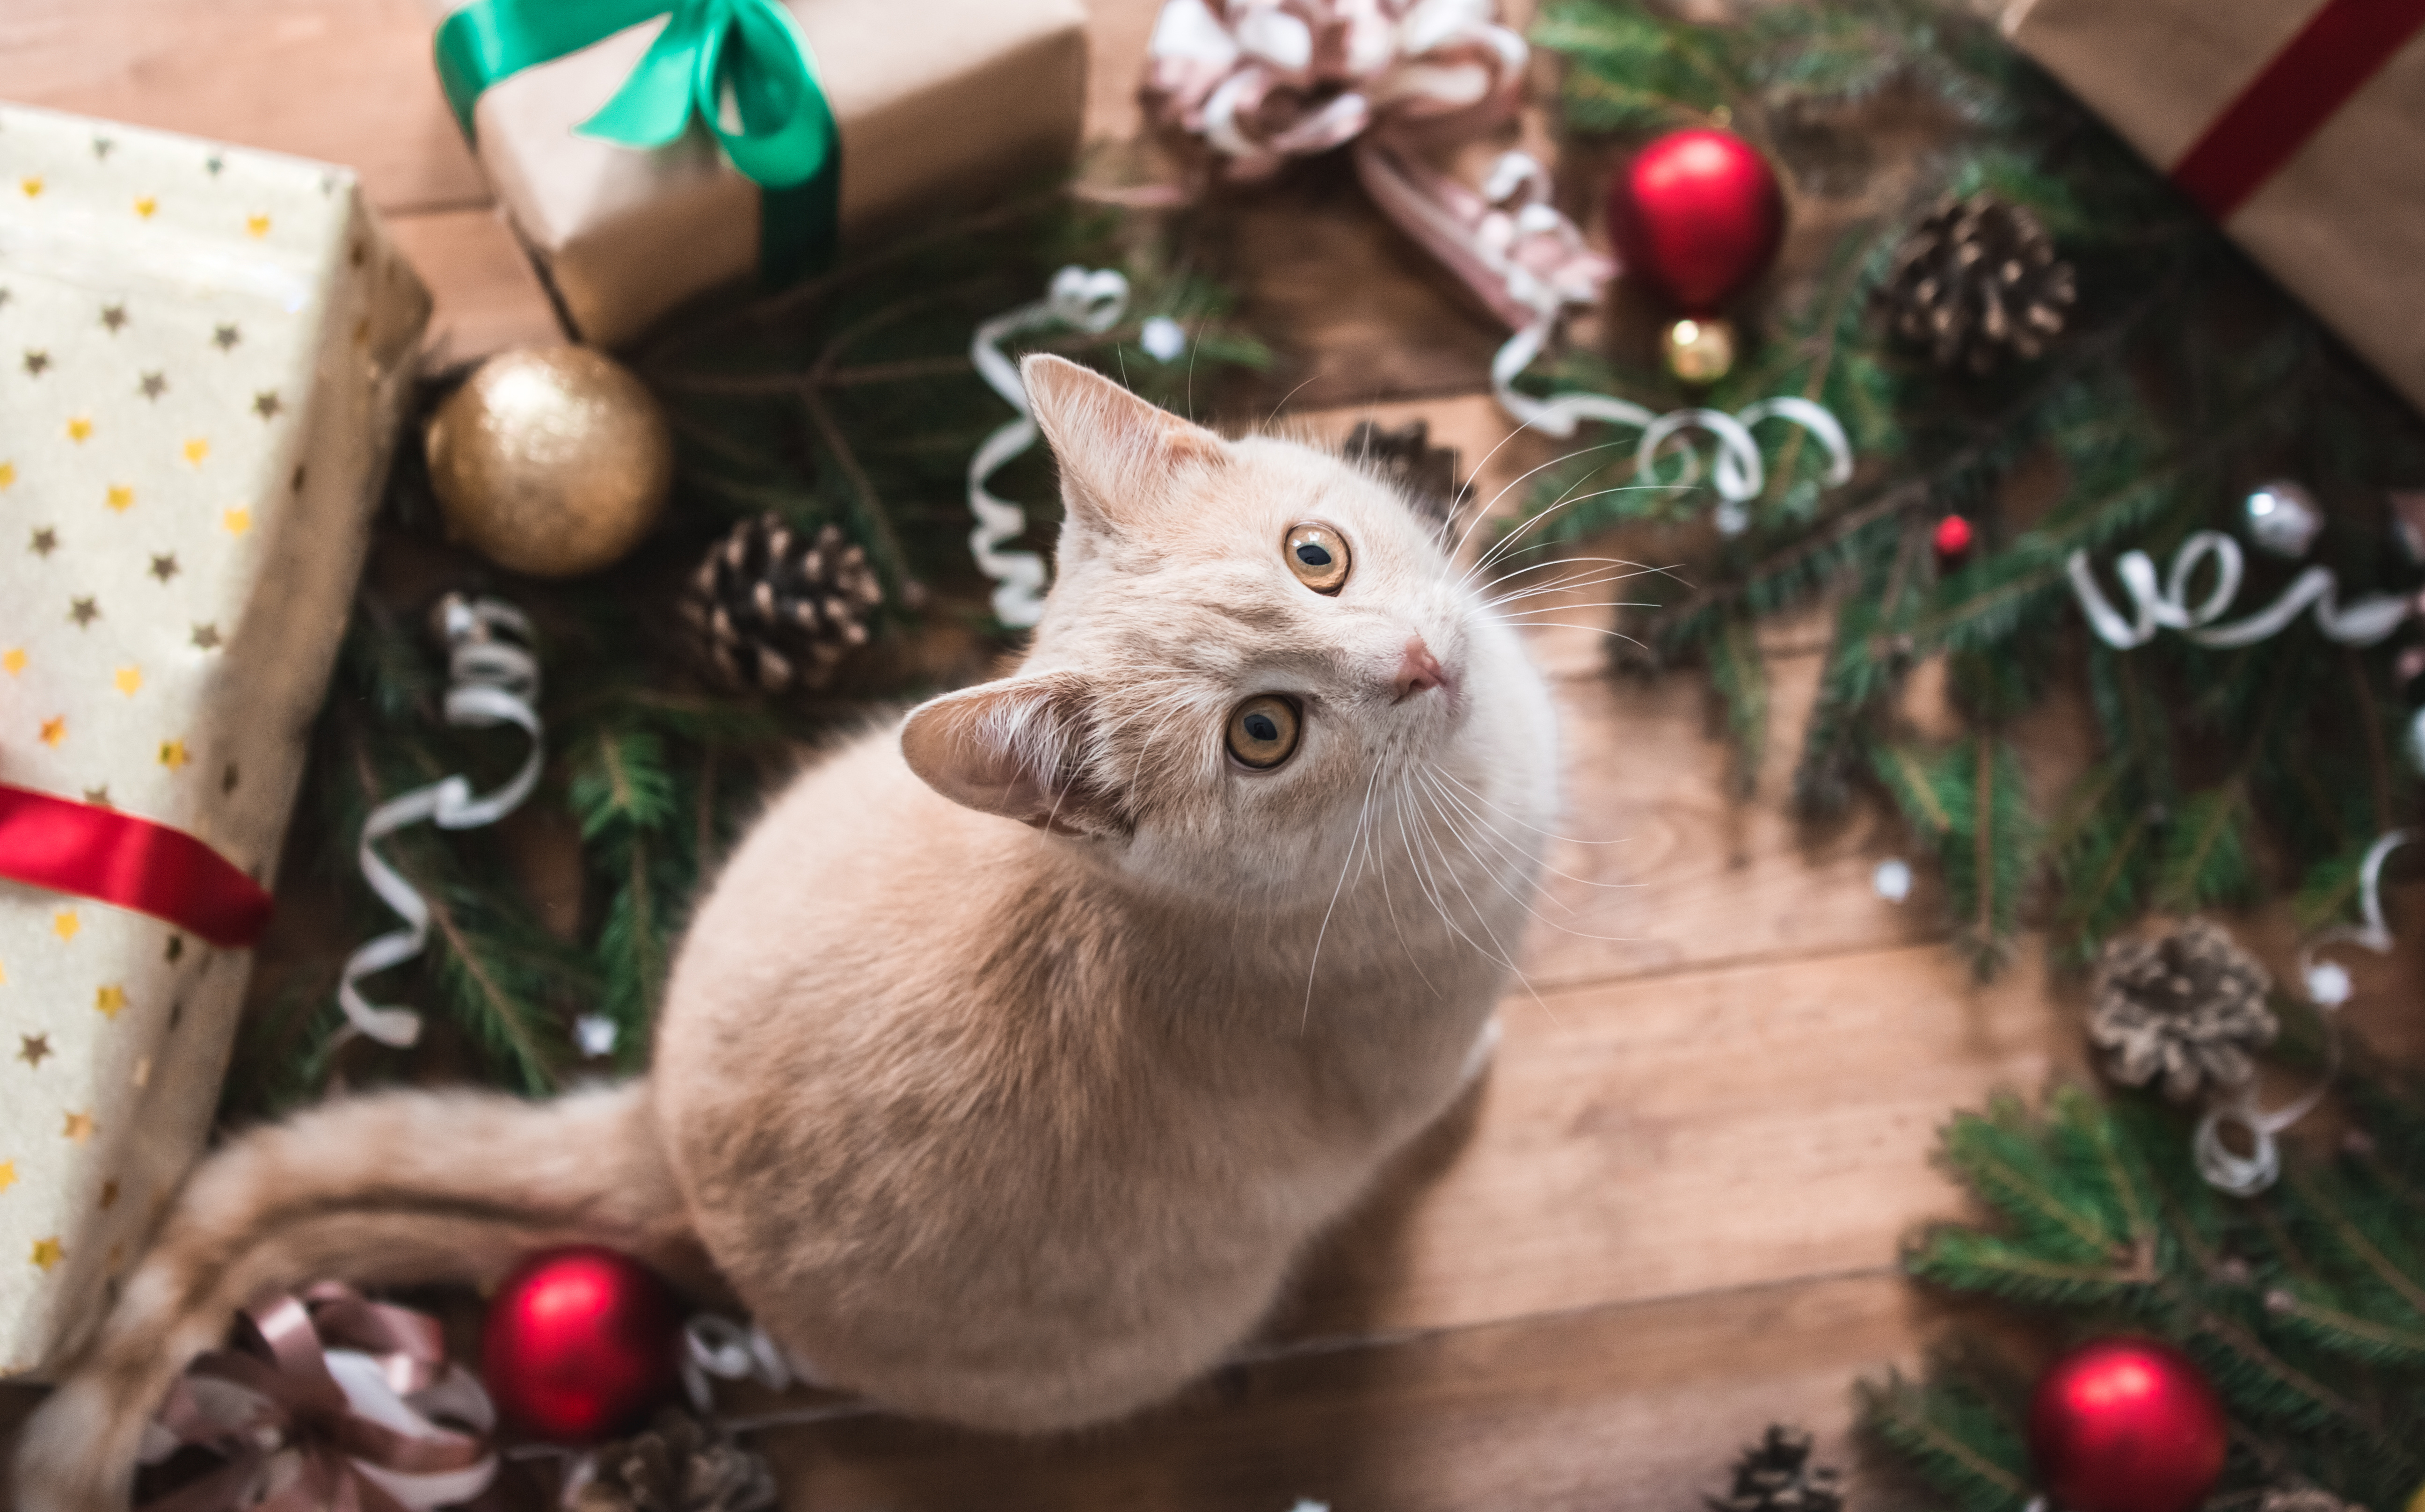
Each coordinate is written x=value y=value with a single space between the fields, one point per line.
x=1699 y=351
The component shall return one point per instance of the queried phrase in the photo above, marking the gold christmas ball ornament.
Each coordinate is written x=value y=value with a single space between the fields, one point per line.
x=1698 y=351
x=551 y=460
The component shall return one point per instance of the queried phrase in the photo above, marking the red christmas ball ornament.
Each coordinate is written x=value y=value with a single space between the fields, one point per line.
x=1698 y=214
x=581 y=1344
x=2127 y=1426
x=1952 y=540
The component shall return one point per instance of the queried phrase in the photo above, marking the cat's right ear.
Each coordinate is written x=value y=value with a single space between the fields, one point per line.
x=1115 y=449
x=1014 y=748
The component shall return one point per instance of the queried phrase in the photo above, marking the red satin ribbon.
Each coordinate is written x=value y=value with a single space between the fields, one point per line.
x=116 y=857
x=2342 y=45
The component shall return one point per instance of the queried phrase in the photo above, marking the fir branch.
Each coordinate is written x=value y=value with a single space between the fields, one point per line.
x=1956 y=1439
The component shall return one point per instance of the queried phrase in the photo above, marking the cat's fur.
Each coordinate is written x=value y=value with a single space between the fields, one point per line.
x=1014 y=1125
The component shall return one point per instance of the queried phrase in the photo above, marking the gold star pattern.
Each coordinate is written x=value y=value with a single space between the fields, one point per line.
x=206 y=638
x=225 y=338
x=31 y=185
x=154 y=385
x=113 y=317
x=145 y=205
x=238 y=521
x=197 y=448
x=7 y=1174
x=55 y=730
x=268 y=405
x=121 y=498
x=257 y=225
x=13 y=660
x=129 y=679
x=172 y=754
x=64 y=924
x=84 y=611
x=110 y=1001
x=47 y=1254
x=7 y=473
x=45 y=542
x=36 y=362
x=163 y=566
x=34 y=1049
x=78 y=1128
x=80 y=429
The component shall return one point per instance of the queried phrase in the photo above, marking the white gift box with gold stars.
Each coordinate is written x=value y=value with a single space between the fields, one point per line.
x=204 y=353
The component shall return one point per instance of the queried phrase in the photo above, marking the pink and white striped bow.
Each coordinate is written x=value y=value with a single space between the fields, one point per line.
x=1261 y=81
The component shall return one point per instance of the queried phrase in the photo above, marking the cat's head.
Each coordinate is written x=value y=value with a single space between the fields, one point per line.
x=1252 y=648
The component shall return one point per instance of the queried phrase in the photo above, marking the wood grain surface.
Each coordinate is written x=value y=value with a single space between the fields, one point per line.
x=1670 y=1214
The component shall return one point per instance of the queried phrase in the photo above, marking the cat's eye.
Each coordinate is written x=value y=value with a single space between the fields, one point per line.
x=1318 y=556
x=1264 y=729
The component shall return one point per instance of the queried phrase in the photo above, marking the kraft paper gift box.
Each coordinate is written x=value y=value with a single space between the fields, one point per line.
x=205 y=355
x=942 y=103
x=2298 y=124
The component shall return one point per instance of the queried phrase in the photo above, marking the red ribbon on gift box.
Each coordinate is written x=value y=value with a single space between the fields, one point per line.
x=99 y=853
x=2343 y=44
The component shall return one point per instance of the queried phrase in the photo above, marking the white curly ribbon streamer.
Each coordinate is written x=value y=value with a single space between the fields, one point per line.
x=2165 y=605
x=2327 y=987
x=1092 y=301
x=1737 y=473
x=491 y=681
x=730 y=1349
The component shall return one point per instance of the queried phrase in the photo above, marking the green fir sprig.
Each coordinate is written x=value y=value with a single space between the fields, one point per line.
x=2224 y=775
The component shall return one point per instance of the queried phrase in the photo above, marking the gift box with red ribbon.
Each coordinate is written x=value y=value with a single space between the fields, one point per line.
x=204 y=354
x=2298 y=125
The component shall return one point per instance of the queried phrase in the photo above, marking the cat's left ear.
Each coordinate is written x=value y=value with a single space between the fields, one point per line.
x=1014 y=747
x=1115 y=450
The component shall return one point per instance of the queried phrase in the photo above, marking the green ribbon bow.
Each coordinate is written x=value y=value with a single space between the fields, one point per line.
x=741 y=66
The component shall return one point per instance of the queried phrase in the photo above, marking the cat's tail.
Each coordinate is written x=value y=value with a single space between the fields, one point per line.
x=393 y=1188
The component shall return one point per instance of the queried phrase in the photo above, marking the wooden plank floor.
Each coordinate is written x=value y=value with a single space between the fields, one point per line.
x=1669 y=1216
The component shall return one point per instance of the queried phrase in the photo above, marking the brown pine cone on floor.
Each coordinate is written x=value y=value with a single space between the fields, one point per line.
x=1977 y=280
x=775 y=607
x=1776 y=1475
x=2188 y=1006
x=1426 y=474
x=678 y=1464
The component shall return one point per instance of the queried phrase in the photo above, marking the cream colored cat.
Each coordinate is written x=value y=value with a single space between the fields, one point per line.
x=1018 y=1053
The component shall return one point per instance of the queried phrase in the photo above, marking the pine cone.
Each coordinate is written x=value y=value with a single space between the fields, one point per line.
x=2190 y=1008
x=775 y=609
x=1977 y=278
x=1426 y=474
x=1776 y=1475
x=679 y=1464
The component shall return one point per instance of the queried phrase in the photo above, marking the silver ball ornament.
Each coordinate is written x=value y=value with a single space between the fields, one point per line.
x=2282 y=517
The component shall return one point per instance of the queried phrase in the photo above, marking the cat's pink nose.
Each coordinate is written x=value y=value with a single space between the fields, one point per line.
x=1417 y=669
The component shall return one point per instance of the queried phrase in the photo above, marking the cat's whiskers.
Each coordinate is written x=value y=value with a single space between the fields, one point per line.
x=1504 y=545
x=1485 y=511
x=1498 y=840
x=1570 y=840
x=1390 y=907
x=1498 y=953
x=1363 y=812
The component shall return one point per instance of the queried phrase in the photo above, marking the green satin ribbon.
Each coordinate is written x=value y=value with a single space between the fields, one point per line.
x=741 y=66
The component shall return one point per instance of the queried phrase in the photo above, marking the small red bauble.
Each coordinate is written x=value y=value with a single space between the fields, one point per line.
x=1698 y=214
x=581 y=1344
x=2127 y=1426
x=1952 y=539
